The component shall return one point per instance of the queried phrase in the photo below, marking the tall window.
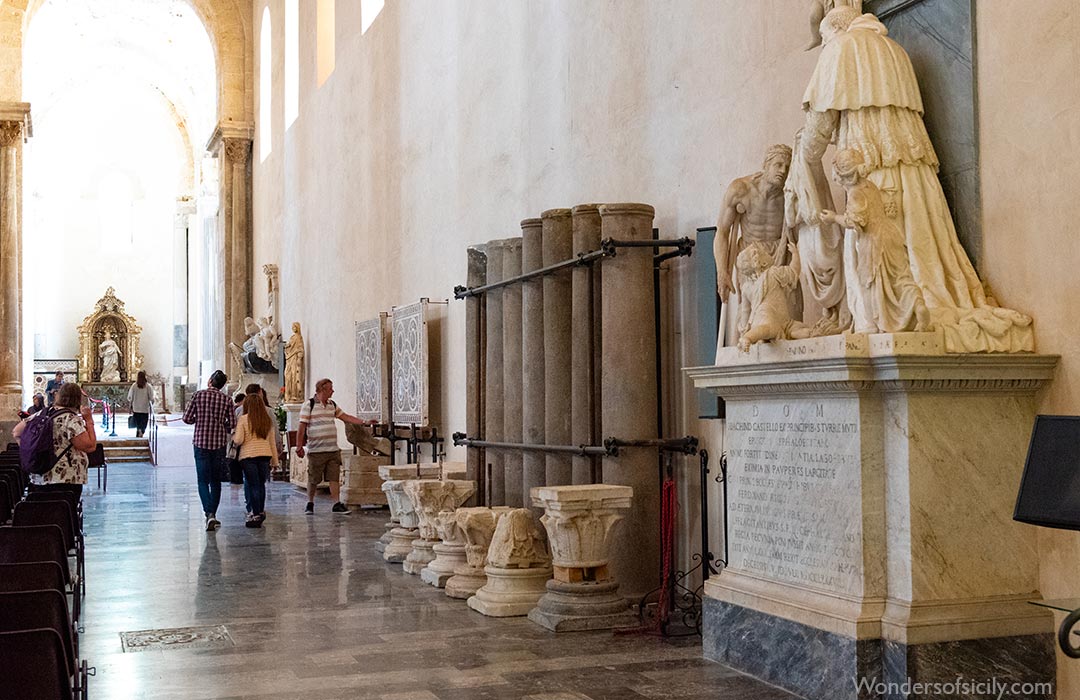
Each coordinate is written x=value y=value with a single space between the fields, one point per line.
x=369 y=10
x=325 y=30
x=266 y=87
x=292 y=61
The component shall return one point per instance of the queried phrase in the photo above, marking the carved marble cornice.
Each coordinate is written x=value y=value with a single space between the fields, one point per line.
x=226 y=131
x=1005 y=373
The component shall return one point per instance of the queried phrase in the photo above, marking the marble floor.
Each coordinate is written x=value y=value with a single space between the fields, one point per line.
x=313 y=612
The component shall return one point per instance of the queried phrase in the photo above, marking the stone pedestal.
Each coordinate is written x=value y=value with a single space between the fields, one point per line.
x=297 y=469
x=449 y=553
x=519 y=566
x=429 y=498
x=292 y=415
x=392 y=474
x=477 y=525
x=872 y=485
x=401 y=537
x=583 y=594
x=361 y=484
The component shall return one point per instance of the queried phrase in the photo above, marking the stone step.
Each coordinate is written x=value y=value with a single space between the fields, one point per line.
x=124 y=442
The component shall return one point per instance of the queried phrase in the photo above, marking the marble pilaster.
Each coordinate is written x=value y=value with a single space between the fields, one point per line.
x=585 y=329
x=533 y=470
x=584 y=594
x=231 y=145
x=430 y=497
x=557 y=247
x=629 y=391
x=474 y=362
x=519 y=566
x=493 y=375
x=14 y=129
x=477 y=525
x=512 y=362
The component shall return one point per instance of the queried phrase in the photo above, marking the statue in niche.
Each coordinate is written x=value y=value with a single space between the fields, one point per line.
x=294 y=366
x=864 y=96
x=882 y=294
x=752 y=214
x=763 y=308
x=109 y=352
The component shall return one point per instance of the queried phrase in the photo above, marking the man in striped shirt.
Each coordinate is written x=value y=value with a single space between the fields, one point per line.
x=212 y=413
x=317 y=435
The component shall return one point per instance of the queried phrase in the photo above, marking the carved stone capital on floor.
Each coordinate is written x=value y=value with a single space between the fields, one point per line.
x=429 y=497
x=579 y=521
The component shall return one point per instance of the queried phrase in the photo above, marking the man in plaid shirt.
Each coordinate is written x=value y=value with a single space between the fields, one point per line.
x=212 y=413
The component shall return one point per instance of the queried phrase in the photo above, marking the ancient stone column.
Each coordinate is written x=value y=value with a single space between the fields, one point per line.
x=14 y=127
x=533 y=472
x=518 y=568
x=557 y=246
x=493 y=374
x=511 y=308
x=231 y=145
x=474 y=363
x=628 y=386
x=429 y=498
x=584 y=594
x=477 y=525
x=585 y=327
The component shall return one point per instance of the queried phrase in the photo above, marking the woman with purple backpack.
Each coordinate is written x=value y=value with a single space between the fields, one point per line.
x=72 y=436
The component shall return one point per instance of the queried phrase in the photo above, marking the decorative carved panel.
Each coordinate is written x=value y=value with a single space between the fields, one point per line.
x=410 y=364
x=372 y=369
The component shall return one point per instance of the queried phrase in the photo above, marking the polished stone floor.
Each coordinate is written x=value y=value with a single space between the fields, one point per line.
x=313 y=612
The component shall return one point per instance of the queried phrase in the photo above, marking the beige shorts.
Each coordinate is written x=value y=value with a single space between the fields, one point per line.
x=323 y=465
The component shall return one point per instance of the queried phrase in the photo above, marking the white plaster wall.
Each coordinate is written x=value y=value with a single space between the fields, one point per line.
x=1029 y=94
x=449 y=122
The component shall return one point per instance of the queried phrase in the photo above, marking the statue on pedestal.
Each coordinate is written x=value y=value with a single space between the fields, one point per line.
x=109 y=352
x=294 y=366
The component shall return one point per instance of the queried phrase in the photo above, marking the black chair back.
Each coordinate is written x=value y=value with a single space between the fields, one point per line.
x=57 y=512
x=5 y=506
x=27 y=610
x=34 y=666
x=9 y=487
x=35 y=543
x=31 y=576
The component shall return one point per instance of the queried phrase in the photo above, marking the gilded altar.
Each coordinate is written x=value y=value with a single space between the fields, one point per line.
x=109 y=322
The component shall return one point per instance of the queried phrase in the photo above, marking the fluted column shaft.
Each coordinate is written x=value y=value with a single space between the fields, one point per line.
x=533 y=472
x=557 y=246
x=585 y=327
x=474 y=363
x=493 y=373
x=629 y=392
x=511 y=308
x=14 y=118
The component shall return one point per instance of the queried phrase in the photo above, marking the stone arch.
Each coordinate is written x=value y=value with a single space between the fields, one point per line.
x=228 y=24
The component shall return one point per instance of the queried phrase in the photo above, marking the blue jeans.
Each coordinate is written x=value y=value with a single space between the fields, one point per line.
x=256 y=471
x=208 y=467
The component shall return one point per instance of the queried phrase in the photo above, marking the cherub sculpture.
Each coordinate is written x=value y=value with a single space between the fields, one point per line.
x=763 y=306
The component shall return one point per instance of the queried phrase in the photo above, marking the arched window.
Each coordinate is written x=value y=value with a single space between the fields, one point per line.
x=369 y=10
x=266 y=87
x=325 y=29
x=292 y=61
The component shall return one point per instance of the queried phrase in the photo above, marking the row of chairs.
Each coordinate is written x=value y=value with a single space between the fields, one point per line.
x=40 y=530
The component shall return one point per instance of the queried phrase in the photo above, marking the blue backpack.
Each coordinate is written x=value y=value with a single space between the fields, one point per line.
x=36 y=444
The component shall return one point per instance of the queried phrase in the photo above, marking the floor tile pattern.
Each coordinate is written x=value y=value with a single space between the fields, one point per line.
x=315 y=613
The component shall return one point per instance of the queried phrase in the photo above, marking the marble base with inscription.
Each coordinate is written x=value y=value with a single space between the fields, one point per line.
x=870 y=503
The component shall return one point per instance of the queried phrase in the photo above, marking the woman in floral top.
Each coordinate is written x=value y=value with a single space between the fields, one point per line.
x=72 y=426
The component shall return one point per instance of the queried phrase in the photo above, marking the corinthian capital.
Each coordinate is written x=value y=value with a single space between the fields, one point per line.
x=237 y=150
x=10 y=133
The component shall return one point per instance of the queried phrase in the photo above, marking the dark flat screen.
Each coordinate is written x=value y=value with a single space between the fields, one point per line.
x=1050 y=489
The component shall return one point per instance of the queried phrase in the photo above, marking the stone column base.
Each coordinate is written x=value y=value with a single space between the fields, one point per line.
x=400 y=545
x=510 y=592
x=382 y=542
x=576 y=607
x=422 y=554
x=820 y=665
x=448 y=557
x=465 y=582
